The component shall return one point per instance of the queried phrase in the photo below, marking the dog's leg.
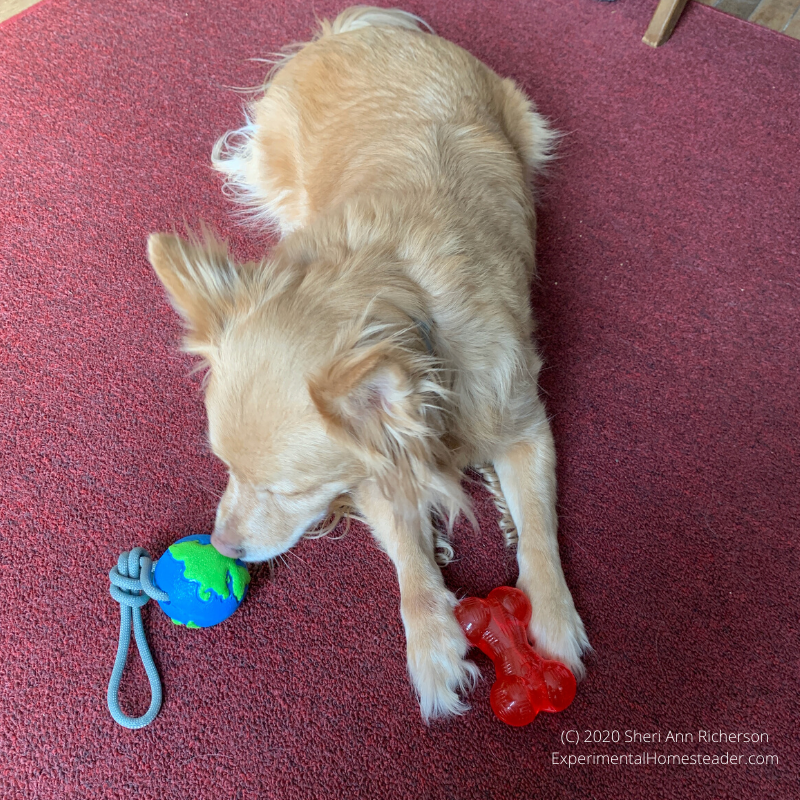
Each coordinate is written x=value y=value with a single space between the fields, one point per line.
x=436 y=643
x=527 y=477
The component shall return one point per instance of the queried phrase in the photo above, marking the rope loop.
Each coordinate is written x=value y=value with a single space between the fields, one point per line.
x=132 y=586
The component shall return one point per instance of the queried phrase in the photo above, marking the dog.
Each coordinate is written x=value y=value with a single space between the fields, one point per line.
x=385 y=345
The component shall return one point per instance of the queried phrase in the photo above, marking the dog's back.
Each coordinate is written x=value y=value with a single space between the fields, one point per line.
x=372 y=103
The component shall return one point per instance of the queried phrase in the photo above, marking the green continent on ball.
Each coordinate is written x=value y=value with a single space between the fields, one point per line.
x=210 y=569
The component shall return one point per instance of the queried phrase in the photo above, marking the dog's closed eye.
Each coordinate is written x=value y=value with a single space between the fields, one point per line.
x=288 y=490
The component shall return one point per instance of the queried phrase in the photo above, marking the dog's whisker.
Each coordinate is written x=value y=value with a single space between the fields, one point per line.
x=216 y=493
x=292 y=553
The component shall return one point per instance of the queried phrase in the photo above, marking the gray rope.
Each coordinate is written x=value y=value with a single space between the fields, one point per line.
x=129 y=579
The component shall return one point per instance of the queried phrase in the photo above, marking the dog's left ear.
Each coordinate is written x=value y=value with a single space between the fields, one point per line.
x=365 y=392
x=385 y=400
x=378 y=398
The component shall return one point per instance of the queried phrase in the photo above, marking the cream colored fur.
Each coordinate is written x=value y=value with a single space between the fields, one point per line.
x=385 y=344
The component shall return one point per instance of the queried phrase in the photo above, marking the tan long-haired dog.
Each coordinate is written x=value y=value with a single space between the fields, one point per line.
x=385 y=345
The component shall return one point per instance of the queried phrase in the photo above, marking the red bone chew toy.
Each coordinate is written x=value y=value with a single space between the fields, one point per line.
x=526 y=683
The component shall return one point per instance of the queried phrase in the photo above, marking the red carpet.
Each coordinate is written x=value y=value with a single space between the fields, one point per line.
x=668 y=304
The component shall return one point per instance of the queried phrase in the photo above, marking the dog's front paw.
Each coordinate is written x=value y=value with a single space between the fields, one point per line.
x=436 y=650
x=555 y=628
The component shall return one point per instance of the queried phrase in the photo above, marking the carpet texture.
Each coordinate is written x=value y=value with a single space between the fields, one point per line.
x=668 y=308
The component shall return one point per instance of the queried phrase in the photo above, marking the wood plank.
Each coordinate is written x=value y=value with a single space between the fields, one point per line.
x=774 y=14
x=738 y=8
x=793 y=28
x=10 y=8
x=664 y=20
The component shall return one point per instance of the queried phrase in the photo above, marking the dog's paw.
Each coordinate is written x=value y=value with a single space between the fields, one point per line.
x=556 y=630
x=436 y=650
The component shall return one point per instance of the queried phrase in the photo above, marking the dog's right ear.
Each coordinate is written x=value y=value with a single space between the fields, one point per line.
x=201 y=280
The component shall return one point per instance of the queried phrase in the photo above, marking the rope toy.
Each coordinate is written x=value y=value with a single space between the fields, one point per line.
x=194 y=584
x=132 y=587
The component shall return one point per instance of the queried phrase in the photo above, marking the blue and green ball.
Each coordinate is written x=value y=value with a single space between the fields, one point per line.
x=204 y=587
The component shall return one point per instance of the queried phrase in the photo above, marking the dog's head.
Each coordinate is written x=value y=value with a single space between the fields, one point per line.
x=306 y=395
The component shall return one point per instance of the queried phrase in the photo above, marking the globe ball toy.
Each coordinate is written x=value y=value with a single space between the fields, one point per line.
x=204 y=586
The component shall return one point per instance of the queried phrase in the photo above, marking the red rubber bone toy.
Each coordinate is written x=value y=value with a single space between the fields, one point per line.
x=526 y=683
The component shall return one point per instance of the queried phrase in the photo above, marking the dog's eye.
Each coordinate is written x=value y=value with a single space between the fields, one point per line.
x=290 y=490
x=280 y=490
x=283 y=491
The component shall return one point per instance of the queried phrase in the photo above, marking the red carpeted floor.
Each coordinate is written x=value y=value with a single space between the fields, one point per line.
x=668 y=304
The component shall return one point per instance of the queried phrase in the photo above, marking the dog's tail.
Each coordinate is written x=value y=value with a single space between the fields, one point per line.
x=233 y=154
x=355 y=17
x=351 y=19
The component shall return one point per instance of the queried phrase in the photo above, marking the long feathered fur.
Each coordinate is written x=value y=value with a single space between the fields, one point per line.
x=235 y=154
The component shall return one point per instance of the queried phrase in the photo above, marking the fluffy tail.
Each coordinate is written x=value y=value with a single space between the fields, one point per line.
x=233 y=154
x=355 y=17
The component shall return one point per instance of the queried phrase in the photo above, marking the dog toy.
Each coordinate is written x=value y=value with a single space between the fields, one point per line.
x=194 y=584
x=526 y=683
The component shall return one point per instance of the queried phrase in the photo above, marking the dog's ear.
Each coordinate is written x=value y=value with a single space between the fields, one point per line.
x=201 y=280
x=381 y=399
x=382 y=395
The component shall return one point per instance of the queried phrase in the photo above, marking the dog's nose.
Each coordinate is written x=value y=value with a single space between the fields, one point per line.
x=232 y=551
x=226 y=538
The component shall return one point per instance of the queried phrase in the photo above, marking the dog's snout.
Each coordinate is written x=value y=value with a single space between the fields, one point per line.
x=225 y=540
x=227 y=550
